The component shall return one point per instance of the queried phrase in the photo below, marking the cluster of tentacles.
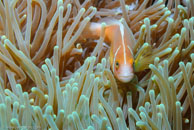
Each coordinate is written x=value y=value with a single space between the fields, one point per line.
x=52 y=79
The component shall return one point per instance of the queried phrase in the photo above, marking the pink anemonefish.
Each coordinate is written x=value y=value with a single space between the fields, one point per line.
x=121 y=54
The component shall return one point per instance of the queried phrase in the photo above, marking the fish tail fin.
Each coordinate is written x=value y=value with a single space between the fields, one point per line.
x=92 y=30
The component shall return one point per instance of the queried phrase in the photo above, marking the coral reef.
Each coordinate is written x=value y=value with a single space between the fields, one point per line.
x=53 y=78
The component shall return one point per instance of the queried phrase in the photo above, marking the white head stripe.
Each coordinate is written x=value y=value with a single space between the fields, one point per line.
x=115 y=58
x=130 y=50
x=122 y=36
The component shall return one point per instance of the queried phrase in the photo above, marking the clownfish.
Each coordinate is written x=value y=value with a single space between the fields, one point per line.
x=121 y=54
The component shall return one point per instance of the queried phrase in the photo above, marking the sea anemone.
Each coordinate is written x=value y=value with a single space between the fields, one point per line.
x=52 y=77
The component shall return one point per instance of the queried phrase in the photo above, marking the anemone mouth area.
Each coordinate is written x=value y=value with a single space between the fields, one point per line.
x=55 y=68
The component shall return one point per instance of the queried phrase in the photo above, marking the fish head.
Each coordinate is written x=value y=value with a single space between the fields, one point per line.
x=122 y=67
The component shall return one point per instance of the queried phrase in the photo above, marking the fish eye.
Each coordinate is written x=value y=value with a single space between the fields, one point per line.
x=134 y=65
x=117 y=64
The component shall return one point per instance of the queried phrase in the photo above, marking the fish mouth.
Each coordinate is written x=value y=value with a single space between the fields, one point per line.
x=125 y=78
